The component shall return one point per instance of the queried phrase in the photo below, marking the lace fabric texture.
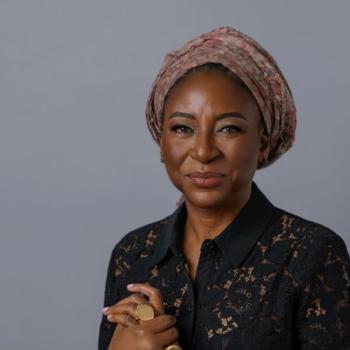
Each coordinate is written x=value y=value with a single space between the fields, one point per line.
x=290 y=291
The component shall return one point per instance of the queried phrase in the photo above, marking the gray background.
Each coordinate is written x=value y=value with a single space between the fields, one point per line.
x=79 y=169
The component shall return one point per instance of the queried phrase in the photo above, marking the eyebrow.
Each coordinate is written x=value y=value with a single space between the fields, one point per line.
x=218 y=117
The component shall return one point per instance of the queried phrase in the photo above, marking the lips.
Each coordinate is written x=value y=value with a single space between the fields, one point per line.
x=204 y=175
x=206 y=179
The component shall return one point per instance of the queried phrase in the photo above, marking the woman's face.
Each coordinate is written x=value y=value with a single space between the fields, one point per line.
x=211 y=124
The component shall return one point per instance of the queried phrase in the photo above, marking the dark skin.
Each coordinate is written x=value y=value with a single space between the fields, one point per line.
x=211 y=124
x=155 y=334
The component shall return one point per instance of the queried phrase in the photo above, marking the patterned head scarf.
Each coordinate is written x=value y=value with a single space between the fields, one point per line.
x=251 y=63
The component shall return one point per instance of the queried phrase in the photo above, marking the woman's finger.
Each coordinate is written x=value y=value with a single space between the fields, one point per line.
x=167 y=337
x=125 y=308
x=160 y=323
x=122 y=319
x=136 y=298
x=154 y=295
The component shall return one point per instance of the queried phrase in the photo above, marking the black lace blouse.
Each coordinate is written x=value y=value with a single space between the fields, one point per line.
x=270 y=280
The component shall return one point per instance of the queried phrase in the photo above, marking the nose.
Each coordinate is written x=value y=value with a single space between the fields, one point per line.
x=203 y=148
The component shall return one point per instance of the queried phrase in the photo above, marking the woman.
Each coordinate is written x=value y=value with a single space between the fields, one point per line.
x=227 y=269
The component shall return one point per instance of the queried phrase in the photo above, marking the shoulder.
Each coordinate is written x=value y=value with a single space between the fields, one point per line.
x=311 y=244
x=134 y=245
x=136 y=238
x=305 y=230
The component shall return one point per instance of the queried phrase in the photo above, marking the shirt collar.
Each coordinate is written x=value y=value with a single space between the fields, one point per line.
x=235 y=241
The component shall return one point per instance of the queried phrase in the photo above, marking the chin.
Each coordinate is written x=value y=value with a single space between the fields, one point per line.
x=207 y=199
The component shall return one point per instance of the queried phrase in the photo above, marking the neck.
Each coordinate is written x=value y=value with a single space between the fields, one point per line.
x=207 y=223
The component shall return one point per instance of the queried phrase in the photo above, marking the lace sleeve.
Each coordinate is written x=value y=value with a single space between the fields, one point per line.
x=111 y=296
x=323 y=312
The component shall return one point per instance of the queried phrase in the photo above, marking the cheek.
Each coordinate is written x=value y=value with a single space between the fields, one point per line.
x=175 y=156
x=175 y=153
x=243 y=156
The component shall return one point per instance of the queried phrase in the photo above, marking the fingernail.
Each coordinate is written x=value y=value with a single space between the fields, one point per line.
x=130 y=285
x=105 y=309
x=109 y=317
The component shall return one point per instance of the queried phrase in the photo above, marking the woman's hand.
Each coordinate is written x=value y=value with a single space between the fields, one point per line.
x=124 y=312
x=155 y=334
x=151 y=334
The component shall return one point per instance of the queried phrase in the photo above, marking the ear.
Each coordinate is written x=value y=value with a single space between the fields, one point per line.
x=264 y=146
x=161 y=148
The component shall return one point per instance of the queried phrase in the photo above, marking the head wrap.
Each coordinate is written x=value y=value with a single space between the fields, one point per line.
x=251 y=63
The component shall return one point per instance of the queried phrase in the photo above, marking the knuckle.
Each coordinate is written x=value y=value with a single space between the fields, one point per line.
x=154 y=291
x=150 y=343
x=133 y=299
x=129 y=320
x=131 y=307
x=140 y=332
x=171 y=318
x=174 y=332
x=126 y=319
x=137 y=298
x=121 y=302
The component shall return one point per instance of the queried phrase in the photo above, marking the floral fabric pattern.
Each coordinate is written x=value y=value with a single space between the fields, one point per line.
x=251 y=63
x=271 y=280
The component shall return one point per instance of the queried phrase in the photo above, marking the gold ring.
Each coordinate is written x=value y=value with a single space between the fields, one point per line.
x=173 y=347
x=144 y=312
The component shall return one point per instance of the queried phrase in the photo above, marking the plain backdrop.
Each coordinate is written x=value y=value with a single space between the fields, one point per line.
x=78 y=168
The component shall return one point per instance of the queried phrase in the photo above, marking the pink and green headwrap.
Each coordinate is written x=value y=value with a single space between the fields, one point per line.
x=251 y=63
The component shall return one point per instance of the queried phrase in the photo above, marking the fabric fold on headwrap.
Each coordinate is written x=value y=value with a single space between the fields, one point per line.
x=251 y=63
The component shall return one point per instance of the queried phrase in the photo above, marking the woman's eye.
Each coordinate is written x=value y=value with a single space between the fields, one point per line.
x=182 y=129
x=231 y=129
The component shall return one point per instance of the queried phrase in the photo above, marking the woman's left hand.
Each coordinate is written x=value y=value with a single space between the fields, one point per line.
x=124 y=312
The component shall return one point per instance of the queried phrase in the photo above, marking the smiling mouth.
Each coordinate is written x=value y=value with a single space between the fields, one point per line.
x=206 y=180
x=204 y=175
